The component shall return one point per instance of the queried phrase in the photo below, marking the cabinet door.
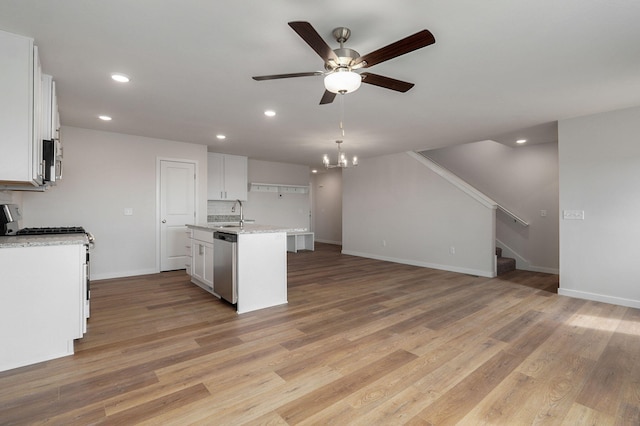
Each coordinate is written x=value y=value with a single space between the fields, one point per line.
x=207 y=275
x=235 y=177
x=55 y=128
x=226 y=177
x=37 y=171
x=47 y=108
x=215 y=176
x=20 y=145
x=197 y=260
x=202 y=262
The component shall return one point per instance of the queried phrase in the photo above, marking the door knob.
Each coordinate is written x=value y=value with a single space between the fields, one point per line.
x=164 y=220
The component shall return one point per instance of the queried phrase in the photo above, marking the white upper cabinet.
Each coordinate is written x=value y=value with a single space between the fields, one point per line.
x=50 y=130
x=50 y=118
x=20 y=112
x=227 y=177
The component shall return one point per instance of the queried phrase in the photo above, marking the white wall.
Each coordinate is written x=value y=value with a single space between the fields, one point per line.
x=327 y=206
x=600 y=174
x=289 y=210
x=395 y=208
x=524 y=179
x=9 y=197
x=103 y=174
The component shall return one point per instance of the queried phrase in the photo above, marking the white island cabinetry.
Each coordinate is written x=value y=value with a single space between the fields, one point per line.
x=202 y=258
x=42 y=308
x=260 y=268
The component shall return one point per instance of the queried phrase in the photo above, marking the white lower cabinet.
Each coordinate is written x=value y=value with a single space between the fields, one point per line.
x=202 y=258
x=42 y=309
x=188 y=264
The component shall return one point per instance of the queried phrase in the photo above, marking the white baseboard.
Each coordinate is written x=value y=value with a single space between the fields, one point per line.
x=544 y=270
x=450 y=268
x=599 y=298
x=122 y=274
x=337 y=243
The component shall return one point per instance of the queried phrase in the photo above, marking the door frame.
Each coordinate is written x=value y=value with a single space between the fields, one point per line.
x=159 y=160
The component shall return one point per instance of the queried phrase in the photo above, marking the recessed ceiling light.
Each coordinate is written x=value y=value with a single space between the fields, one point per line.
x=270 y=113
x=314 y=171
x=120 y=78
x=521 y=141
x=104 y=117
x=221 y=137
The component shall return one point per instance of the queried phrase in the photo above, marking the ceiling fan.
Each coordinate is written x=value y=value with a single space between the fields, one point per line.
x=339 y=64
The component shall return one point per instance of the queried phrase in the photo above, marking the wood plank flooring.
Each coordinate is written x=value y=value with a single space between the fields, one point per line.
x=361 y=342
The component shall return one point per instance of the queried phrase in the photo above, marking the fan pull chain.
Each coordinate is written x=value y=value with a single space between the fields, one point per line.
x=342 y=114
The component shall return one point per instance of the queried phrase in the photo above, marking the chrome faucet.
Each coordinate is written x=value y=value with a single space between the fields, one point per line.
x=241 y=213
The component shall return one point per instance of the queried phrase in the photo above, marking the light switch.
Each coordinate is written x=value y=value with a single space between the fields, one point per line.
x=128 y=211
x=573 y=214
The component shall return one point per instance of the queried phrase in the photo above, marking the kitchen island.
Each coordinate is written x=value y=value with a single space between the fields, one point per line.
x=260 y=263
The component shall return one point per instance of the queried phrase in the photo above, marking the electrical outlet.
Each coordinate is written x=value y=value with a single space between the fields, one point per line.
x=128 y=211
x=384 y=243
x=543 y=213
x=452 y=250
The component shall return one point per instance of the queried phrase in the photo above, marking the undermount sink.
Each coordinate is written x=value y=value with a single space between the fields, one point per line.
x=229 y=226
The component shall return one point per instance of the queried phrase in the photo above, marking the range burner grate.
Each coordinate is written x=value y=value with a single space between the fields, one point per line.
x=52 y=230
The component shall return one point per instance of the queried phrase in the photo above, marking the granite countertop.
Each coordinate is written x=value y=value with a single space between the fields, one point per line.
x=42 y=240
x=249 y=228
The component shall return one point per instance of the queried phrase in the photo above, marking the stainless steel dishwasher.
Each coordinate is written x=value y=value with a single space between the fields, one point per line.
x=224 y=266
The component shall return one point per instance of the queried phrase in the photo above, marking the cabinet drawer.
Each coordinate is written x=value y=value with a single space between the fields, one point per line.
x=205 y=236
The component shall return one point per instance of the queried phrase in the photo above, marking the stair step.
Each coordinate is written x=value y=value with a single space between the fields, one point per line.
x=505 y=264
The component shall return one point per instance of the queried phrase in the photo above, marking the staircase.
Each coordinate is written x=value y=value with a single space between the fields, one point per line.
x=505 y=264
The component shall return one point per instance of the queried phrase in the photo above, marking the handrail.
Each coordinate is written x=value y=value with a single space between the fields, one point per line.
x=512 y=215
x=454 y=180
x=465 y=186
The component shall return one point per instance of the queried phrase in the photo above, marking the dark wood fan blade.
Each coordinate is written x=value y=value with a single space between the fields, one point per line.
x=327 y=98
x=313 y=39
x=386 y=82
x=296 y=74
x=408 y=44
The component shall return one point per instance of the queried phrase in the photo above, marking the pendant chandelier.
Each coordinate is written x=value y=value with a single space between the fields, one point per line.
x=342 y=161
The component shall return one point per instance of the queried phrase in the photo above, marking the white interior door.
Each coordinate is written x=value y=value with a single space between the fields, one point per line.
x=177 y=208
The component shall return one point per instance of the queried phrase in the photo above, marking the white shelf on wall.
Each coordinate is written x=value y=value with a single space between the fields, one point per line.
x=278 y=188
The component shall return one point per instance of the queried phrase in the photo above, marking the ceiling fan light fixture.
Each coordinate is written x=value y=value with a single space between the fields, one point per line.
x=342 y=81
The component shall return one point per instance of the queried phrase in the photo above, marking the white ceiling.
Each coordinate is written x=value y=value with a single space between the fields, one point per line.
x=498 y=69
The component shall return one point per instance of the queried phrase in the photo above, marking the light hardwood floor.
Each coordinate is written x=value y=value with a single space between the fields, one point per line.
x=361 y=342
